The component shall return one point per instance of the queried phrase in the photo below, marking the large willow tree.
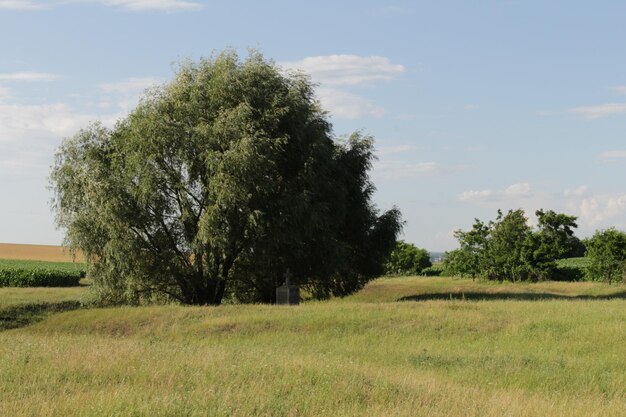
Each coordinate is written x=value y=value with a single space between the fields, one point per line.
x=216 y=185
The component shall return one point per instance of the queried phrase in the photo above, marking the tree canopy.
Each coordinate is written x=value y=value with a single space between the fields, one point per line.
x=216 y=185
x=407 y=259
x=507 y=248
x=606 y=251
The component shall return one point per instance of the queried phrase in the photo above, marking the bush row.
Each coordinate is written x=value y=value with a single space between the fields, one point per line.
x=39 y=277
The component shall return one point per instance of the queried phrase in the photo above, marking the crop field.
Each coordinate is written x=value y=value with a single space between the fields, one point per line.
x=37 y=252
x=27 y=273
x=550 y=349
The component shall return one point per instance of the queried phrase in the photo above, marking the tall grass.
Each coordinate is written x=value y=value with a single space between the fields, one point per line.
x=502 y=357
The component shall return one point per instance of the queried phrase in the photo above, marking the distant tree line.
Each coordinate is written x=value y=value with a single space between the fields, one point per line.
x=508 y=248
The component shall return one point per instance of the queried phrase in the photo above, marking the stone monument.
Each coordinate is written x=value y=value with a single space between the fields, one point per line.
x=288 y=294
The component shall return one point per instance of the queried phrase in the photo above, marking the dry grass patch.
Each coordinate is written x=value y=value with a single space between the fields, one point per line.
x=429 y=288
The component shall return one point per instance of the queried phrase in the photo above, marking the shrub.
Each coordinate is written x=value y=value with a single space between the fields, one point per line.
x=606 y=251
x=407 y=259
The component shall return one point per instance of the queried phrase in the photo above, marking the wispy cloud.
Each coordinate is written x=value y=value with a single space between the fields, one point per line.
x=517 y=191
x=131 y=5
x=576 y=192
x=335 y=72
x=21 y=5
x=159 y=5
x=32 y=122
x=347 y=69
x=125 y=94
x=130 y=85
x=476 y=195
x=388 y=11
x=346 y=105
x=612 y=155
x=400 y=170
x=27 y=76
x=601 y=110
x=388 y=150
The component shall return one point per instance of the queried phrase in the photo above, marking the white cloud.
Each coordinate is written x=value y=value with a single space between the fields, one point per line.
x=130 y=85
x=396 y=149
x=470 y=107
x=347 y=69
x=600 y=211
x=347 y=105
x=332 y=71
x=399 y=170
x=388 y=11
x=124 y=95
x=601 y=110
x=520 y=190
x=476 y=195
x=32 y=122
x=576 y=192
x=132 y=5
x=20 y=5
x=162 y=5
x=27 y=76
x=617 y=154
x=513 y=192
x=5 y=93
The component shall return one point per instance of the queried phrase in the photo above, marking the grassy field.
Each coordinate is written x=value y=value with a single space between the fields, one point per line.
x=558 y=353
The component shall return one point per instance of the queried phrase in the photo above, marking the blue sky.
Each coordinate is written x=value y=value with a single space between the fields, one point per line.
x=475 y=106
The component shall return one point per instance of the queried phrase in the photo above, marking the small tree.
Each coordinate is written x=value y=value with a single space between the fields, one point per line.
x=469 y=259
x=503 y=257
x=606 y=251
x=216 y=184
x=509 y=249
x=407 y=259
x=554 y=239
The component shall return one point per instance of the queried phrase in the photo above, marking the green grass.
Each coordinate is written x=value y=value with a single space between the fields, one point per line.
x=558 y=354
x=12 y=295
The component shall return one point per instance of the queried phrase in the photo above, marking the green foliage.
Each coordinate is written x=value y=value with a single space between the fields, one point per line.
x=216 y=185
x=18 y=273
x=407 y=259
x=469 y=258
x=606 y=251
x=509 y=249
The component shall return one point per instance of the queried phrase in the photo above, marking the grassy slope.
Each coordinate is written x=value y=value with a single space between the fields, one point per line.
x=556 y=357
